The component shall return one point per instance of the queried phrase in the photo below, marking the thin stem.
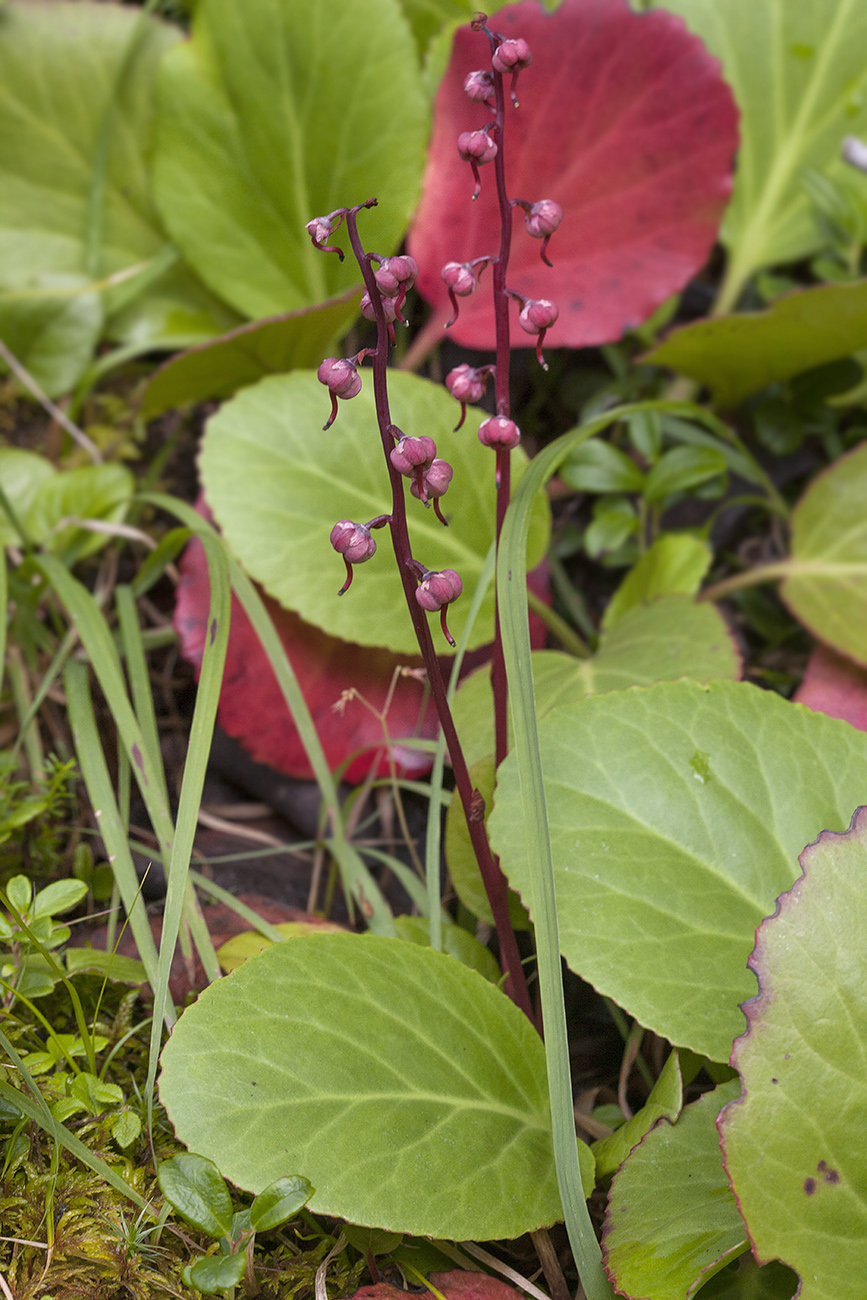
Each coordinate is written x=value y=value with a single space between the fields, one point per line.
x=501 y=393
x=494 y=880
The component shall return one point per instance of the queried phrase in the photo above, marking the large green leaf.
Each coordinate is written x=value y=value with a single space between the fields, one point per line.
x=278 y=111
x=736 y=355
x=409 y=1090
x=277 y=484
x=794 y=1144
x=671 y=637
x=677 y=814
x=222 y=366
x=672 y=1222
x=828 y=589
x=800 y=80
x=76 y=121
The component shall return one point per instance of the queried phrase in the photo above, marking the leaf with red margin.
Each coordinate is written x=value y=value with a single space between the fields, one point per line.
x=633 y=133
x=835 y=685
x=252 y=708
x=456 y=1284
x=793 y=1144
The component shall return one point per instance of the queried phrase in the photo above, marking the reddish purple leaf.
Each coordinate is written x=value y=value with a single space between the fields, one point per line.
x=457 y=1284
x=252 y=708
x=625 y=121
x=835 y=685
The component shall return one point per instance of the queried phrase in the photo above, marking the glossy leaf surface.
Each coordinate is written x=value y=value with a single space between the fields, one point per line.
x=75 y=78
x=798 y=1168
x=737 y=355
x=245 y=355
x=277 y=485
x=272 y=115
x=194 y=1186
x=278 y=1203
x=828 y=591
x=672 y=1222
x=669 y=638
x=677 y=814
x=633 y=135
x=805 y=60
x=327 y=1037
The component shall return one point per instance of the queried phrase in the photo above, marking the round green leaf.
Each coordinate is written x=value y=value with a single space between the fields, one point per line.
x=828 y=588
x=75 y=78
x=279 y=1202
x=677 y=814
x=793 y=1143
x=217 y=1272
x=410 y=1091
x=277 y=485
x=196 y=1189
x=274 y=114
x=21 y=474
x=674 y=565
x=806 y=60
x=672 y=1222
x=671 y=637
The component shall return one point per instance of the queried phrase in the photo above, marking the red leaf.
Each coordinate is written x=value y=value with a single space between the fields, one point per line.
x=625 y=121
x=252 y=708
x=457 y=1284
x=835 y=685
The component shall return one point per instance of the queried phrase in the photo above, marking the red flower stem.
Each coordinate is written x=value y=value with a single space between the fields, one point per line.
x=492 y=876
x=501 y=393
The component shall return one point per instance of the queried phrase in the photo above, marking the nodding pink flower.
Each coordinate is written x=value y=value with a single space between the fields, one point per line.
x=467 y=384
x=320 y=228
x=536 y=317
x=388 y=306
x=541 y=220
x=394 y=273
x=499 y=431
x=341 y=379
x=354 y=542
x=476 y=148
x=479 y=86
x=435 y=482
x=411 y=457
x=436 y=591
x=537 y=314
x=512 y=56
x=461 y=279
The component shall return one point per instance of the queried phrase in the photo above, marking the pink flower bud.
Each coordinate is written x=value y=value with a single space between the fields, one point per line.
x=439 y=589
x=319 y=229
x=543 y=218
x=389 y=306
x=477 y=147
x=512 y=55
x=435 y=480
x=413 y=454
x=340 y=377
x=460 y=277
x=464 y=383
x=394 y=272
x=537 y=314
x=498 y=431
x=479 y=86
x=352 y=541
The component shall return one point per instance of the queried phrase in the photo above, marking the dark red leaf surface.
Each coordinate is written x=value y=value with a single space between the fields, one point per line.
x=835 y=685
x=252 y=708
x=625 y=121
x=457 y=1284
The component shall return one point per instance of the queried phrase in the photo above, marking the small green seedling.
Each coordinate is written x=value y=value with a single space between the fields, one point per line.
x=25 y=972
x=197 y=1190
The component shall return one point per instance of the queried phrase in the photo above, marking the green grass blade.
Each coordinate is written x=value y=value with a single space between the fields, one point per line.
x=139 y=680
x=86 y=616
x=357 y=880
x=198 y=752
x=4 y=612
x=94 y=769
x=512 y=597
